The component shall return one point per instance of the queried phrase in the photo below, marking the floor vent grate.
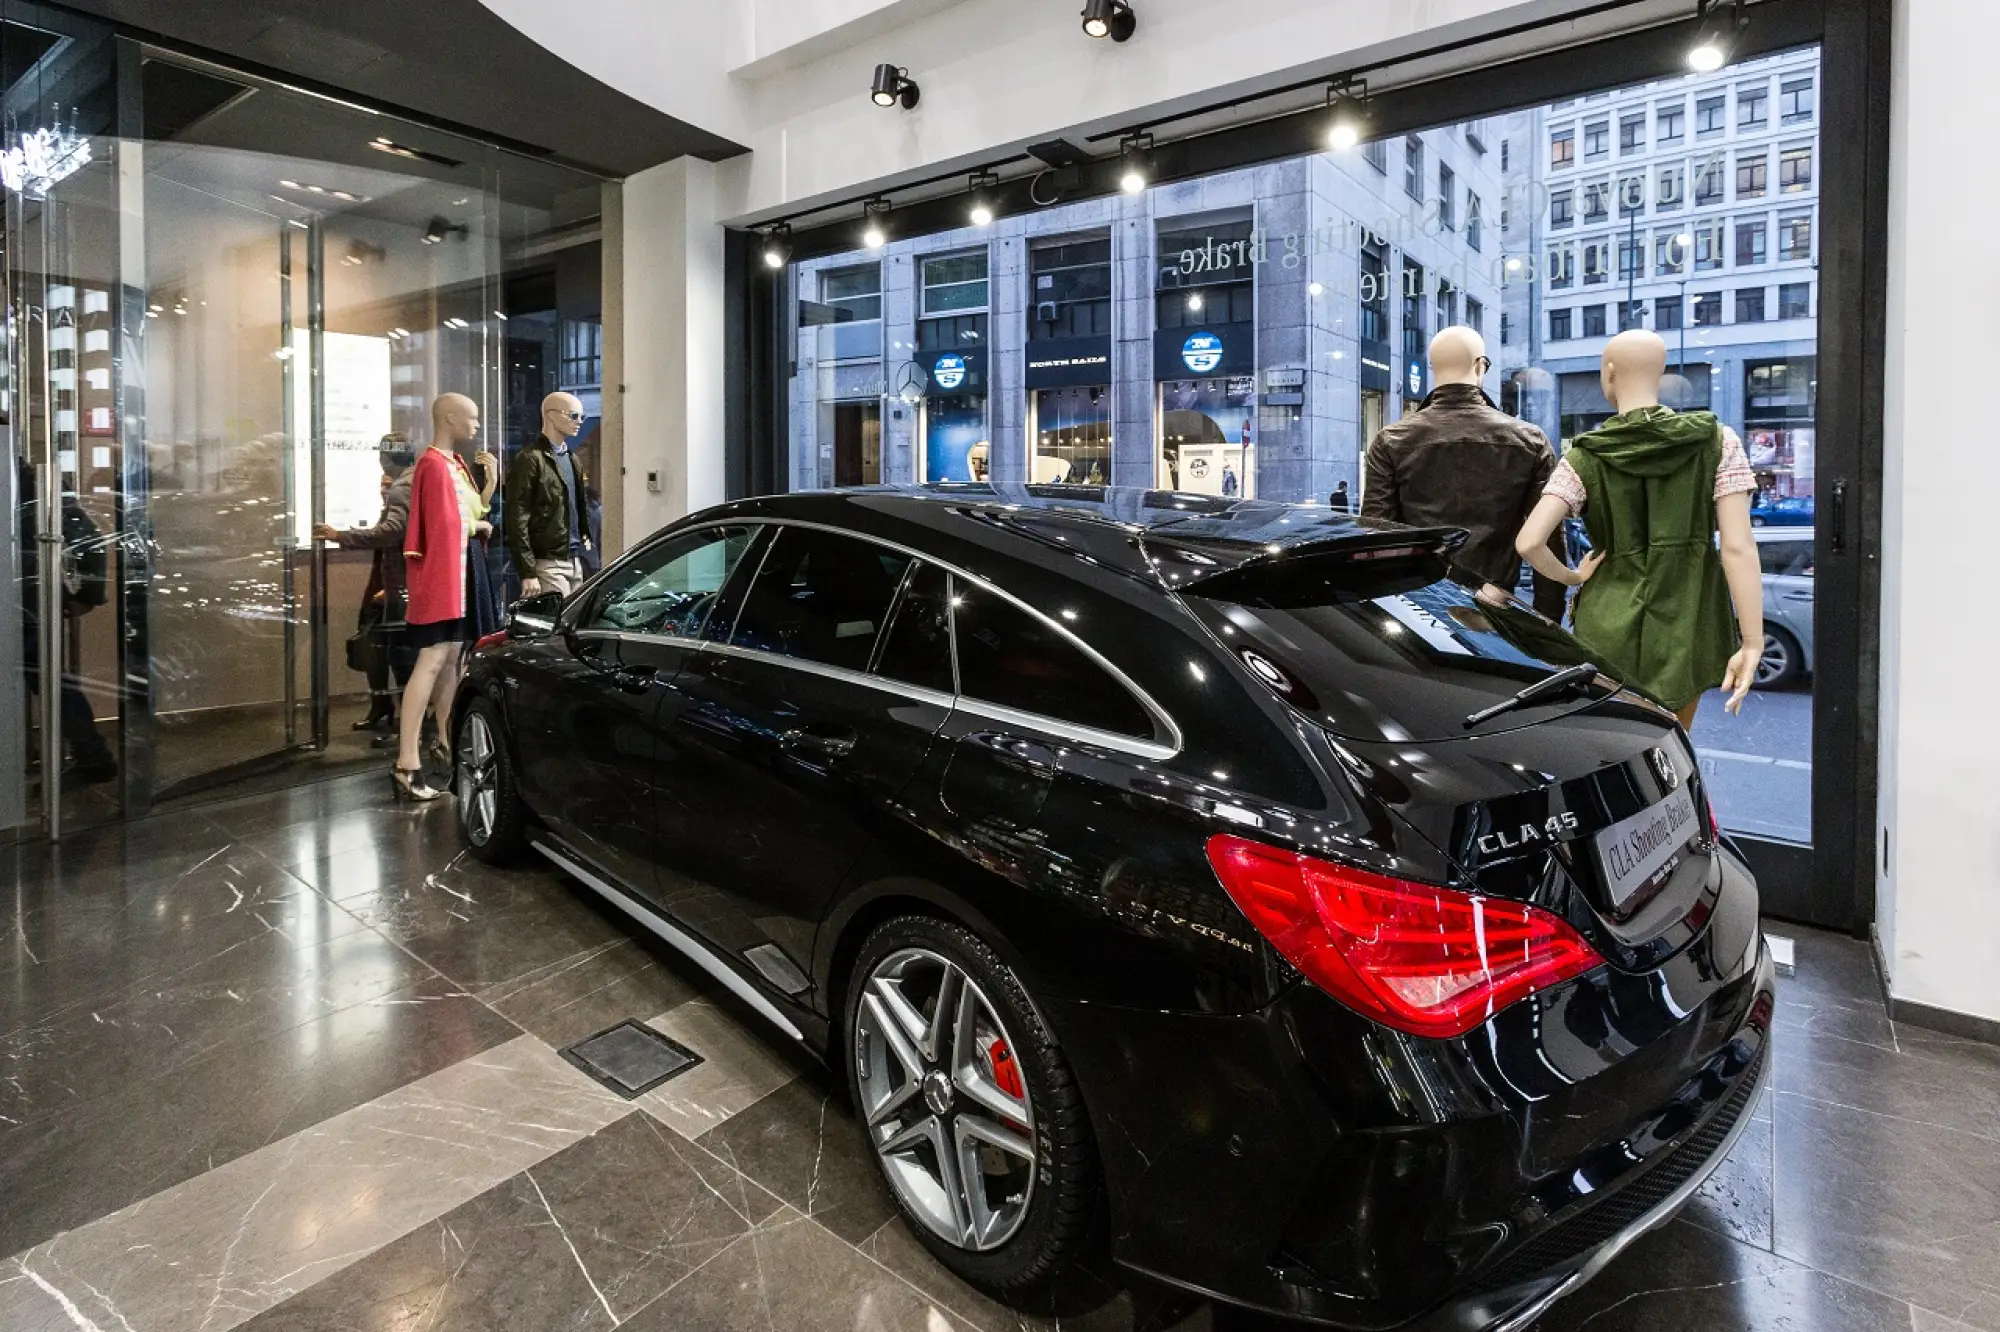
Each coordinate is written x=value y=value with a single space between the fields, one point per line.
x=630 y=1058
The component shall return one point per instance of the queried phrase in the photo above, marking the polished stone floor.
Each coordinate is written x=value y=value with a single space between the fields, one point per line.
x=289 y=1063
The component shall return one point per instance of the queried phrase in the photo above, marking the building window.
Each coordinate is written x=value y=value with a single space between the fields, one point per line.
x=1413 y=167
x=1562 y=149
x=1559 y=326
x=1750 y=245
x=1631 y=314
x=1593 y=321
x=1795 y=100
x=1670 y=122
x=1070 y=289
x=1673 y=188
x=1506 y=157
x=855 y=294
x=1708 y=182
x=1795 y=300
x=1750 y=305
x=1631 y=258
x=1708 y=309
x=1708 y=246
x=1447 y=305
x=1795 y=236
x=1474 y=221
x=1666 y=314
x=1708 y=114
x=1596 y=262
x=1670 y=253
x=1632 y=134
x=1562 y=266
x=1413 y=311
x=1376 y=153
x=1596 y=139
x=1562 y=209
x=1750 y=172
x=1475 y=315
x=1631 y=196
x=1753 y=106
x=1447 y=203
x=1596 y=200
x=955 y=282
x=1795 y=170
x=1506 y=320
x=1375 y=295
x=582 y=352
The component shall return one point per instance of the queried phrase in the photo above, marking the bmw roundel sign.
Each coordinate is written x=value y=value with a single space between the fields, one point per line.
x=1202 y=352
x=949 y=372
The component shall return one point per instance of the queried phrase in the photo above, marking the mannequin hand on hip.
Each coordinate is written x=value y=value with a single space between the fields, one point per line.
x=531 y=587
x=1585 y=568
x=1738 y=677
x=482 y=528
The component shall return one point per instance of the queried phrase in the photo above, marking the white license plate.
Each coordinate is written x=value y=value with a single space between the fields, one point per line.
x=1639 y=851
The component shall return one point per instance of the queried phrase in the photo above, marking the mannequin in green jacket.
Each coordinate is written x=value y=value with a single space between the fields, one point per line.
x=1656 y=487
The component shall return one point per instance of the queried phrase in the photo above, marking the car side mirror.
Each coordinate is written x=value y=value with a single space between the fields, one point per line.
x=535 y=617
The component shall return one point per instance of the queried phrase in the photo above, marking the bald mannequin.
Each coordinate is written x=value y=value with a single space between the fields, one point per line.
x=545 y=510
x=1634 y=364
x=1458 y=356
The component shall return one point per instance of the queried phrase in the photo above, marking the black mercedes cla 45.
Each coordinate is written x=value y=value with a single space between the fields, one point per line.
x=1218 y=876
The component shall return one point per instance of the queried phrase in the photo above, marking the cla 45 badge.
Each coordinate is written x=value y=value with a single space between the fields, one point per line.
x=1549 y=831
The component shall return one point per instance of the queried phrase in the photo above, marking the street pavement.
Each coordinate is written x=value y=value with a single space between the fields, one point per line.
x=1758 y=766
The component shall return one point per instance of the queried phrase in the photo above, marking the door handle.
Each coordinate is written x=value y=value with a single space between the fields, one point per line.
x=829 y=743
x=635 y=679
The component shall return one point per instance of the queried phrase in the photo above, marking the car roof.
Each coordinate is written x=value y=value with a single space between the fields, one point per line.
x=1783 y=533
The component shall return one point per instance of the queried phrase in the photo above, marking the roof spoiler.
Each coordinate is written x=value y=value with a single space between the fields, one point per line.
x=1272 y=569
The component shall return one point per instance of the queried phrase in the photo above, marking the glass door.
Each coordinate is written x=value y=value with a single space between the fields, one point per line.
x=70 y=411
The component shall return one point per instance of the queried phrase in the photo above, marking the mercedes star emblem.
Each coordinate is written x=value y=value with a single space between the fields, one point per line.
x=1670 y=776
x=911 y=381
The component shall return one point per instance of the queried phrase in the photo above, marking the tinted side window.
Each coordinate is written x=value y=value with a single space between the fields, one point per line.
x=820 y=596
x=1017 y=660
x=1786 y=557
x=670 y=588
x=917 y=649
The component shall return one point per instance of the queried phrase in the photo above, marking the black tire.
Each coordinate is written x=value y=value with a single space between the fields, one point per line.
x=1783 y=661
x=1062 y=1203
x=496 y=829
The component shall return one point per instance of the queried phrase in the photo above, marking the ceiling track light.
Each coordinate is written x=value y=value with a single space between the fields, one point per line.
x=777 y=246
x=1109 y=18
x=1345 y=99
x=893 y=84
x=874 y=232
x=1135 y=152
x=1710 y=51
x=981 y=184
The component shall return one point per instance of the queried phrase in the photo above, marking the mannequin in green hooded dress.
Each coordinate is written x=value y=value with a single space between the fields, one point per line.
x=1657 y=486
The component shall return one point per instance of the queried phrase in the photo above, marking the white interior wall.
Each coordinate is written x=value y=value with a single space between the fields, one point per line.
x=1938 y=901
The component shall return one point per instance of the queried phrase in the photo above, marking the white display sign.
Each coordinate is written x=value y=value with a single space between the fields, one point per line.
x=356 y=374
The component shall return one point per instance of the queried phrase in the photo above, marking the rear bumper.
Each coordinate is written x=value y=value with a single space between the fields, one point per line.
x=1325 y=1170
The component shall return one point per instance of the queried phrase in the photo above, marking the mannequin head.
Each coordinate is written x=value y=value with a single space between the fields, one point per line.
x=454 y=420
x=1634 y=363
x=562 y=416
x=1458 y=356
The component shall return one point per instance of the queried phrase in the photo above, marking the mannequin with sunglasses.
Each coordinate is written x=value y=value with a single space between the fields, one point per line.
x=1456 y=460
x=546 y=513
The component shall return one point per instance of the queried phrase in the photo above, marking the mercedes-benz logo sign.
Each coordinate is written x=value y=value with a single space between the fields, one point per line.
x=910 y=383
x=1670 y=776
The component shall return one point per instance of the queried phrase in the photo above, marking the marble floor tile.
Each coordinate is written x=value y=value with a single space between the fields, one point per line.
x=793 y=1275
x=1685 y=1277
x=574 y=997
x=740 y=1066
x=64 y=1170
x=801 y=1143
x=1737 y=1200
x=205 y=1255
x=1906 y=1206
x=103 y=858
x=581 y=1241
x=1954 y=1086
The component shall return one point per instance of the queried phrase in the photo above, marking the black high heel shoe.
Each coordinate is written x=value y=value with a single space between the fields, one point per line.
x=410 y=785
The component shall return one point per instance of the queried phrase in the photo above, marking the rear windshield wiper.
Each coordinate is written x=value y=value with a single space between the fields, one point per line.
x=1560 y=683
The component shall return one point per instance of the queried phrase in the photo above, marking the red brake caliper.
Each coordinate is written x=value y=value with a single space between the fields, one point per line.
x=1006 y=1073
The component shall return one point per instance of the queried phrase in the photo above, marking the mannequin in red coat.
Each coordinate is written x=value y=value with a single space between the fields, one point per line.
x=446 y=509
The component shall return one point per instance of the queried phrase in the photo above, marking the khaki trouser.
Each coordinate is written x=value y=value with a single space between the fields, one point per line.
x=559 y=575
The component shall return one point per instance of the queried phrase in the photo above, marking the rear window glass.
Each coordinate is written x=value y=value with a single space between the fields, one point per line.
x=1021 y=661
x=820 y=596
x=917 y=649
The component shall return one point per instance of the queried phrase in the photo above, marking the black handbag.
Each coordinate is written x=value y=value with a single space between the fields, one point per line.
x=361 y=651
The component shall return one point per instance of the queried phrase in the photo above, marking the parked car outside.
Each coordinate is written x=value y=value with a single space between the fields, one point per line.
x=1787 y=558
x=1217 y=876
x=1794 y=512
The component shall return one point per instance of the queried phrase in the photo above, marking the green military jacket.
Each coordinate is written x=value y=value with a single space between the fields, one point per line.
x=535 y=508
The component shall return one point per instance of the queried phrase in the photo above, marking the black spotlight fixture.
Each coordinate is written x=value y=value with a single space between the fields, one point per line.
x=1109 y=18
x=982 y=209
x=874 y=227
x=893 y=84
x=1710 y=51
x=1345 y=98
x=1135 y=156
x=442 y=228
x=777 y=246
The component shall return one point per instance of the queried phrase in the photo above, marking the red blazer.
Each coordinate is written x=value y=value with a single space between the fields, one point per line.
x=434 y=542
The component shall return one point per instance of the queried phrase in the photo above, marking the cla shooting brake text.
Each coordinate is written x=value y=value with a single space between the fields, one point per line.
x=1220 y=873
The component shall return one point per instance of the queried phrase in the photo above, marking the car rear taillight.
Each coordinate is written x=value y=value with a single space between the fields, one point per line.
x=491 y=640
x=1426 y=960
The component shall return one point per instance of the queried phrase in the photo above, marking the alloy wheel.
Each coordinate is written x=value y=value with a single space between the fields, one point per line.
x=478 y=779
x=1776 y=662
x=945 y=1100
